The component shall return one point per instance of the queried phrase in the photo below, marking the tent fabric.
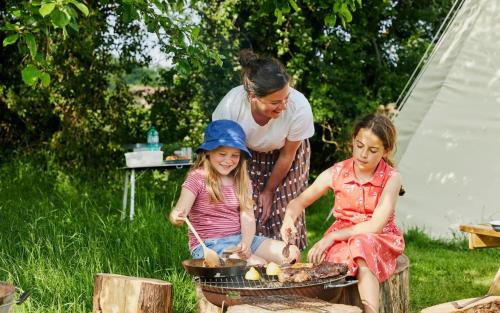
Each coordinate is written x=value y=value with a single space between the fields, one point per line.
x=448 y=148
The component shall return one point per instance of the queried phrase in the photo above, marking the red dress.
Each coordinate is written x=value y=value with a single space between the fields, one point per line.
x=355 y=203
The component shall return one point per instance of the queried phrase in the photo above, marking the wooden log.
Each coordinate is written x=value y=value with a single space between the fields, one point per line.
x=203 y=305
x=487 y=305
x=290 y=304
x=7 y=293
x=394 y=292
x=491 y=302
x=495 y=286
x=123 y=294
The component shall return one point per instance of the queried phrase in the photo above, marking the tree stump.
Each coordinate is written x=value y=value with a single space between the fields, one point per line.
x=489 y=304
x=123 y=294
x=394 y=292
x=203 y=305
x=290 y=304
x=7 y=293
x=486 y=305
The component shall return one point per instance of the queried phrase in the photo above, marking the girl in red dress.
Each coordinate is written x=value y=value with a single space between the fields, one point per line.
x=366 y=189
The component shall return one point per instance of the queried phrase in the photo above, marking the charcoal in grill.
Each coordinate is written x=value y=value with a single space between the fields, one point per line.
x=293 y=274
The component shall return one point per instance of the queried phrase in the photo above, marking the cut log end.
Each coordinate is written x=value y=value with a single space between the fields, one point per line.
x=117 y=293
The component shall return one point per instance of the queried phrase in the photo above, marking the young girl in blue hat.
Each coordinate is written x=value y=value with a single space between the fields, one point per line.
x=217 y=198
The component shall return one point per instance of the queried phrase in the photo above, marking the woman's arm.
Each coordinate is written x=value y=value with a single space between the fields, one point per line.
x=280 y=170
x=305 y=199
x=182 y=207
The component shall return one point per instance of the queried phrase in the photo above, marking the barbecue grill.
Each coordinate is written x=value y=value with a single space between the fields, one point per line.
x=233 y=290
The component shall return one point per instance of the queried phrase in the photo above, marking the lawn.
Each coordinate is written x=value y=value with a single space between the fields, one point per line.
x=59 y=229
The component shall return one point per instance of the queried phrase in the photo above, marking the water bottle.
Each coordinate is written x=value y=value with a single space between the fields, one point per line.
x=153 y=139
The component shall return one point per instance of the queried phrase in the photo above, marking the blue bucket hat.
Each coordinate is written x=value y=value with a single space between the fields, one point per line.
x=224 y=133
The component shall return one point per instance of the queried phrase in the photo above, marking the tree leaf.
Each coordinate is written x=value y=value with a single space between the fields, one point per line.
x=74 y=26
x=82 y=7
x=59 y=18
x=31 y=43
x=195 y=33
x=45 y=79
x=30 y=75
x=294 y=5
x=10 y=39
x=330 y=20
x=46 y=9
x=183 y=67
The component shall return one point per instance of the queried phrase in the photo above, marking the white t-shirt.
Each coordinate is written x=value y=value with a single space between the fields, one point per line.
x=295 y=123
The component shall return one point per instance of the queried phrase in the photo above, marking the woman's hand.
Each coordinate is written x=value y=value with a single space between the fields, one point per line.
x=177 y=216
x=317 y=252
x=265 y=202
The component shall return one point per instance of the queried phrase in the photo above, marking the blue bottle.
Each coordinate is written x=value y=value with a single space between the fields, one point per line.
x=153 y=139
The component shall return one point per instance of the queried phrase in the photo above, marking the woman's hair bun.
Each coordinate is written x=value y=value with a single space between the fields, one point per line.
x=247 y=57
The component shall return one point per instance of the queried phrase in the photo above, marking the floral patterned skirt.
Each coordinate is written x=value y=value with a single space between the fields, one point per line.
x=379 y=251
x=295 y=182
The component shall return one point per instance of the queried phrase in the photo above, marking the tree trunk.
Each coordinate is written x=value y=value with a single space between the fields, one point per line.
x=123 y=294
x=394 y=292
x=486 y=305
x=290 y=304
x=203 y=305
x=7 y=293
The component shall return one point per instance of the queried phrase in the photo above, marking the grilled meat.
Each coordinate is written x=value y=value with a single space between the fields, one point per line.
x=298 y=274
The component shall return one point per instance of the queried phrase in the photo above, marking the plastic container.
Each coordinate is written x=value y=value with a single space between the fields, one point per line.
x=144 y=158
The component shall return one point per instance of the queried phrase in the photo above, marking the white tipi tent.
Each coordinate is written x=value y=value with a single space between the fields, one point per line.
x=449 y=127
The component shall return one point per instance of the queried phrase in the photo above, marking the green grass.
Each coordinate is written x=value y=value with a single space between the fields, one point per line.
x=58 y=230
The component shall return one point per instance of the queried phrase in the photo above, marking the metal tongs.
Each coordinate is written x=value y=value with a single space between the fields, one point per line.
x=290 y=241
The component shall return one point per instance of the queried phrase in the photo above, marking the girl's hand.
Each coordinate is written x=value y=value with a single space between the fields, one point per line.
x=177 y=216
x=265 y=202
x=288 y=229
x=243 y=251
x=317 y=252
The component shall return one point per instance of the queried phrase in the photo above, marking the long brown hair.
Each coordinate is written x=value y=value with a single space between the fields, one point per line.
x=213 y=181
x=262 y=75
x=383 y=128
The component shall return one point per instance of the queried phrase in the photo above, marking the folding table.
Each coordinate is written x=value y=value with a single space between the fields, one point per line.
x=130 y=172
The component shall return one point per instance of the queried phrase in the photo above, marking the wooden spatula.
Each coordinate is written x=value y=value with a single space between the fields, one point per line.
x=211 y=257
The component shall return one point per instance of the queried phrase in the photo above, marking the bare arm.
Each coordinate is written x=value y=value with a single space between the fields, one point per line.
x=182 y=207
x=385 y=207
x=305 y=199
x=247 y=220
x=280 y=170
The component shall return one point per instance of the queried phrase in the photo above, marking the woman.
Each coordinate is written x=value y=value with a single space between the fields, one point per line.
x=277 y=121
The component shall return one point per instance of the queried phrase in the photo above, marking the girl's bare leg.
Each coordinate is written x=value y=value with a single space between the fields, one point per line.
x=252 y=260
x=271 y=250
x=368 y=287
x=256 y=260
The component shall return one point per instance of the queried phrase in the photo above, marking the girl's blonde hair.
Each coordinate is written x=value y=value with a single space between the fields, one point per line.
x=214 y=183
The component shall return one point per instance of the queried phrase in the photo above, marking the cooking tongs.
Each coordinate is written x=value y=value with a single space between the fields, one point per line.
x=290 y=241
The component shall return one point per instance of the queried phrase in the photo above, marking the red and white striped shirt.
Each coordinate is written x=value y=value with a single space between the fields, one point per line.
x=211 y=220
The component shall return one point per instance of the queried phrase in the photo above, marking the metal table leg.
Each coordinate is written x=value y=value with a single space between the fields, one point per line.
x=125 y=195
x=132 y=193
